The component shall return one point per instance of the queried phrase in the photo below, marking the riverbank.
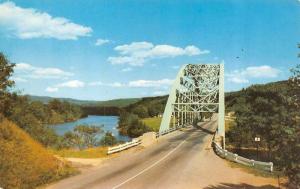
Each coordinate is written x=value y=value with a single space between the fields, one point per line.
x=96 y=152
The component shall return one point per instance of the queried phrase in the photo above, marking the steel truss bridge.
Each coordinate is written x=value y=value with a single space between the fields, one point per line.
x=198 y=88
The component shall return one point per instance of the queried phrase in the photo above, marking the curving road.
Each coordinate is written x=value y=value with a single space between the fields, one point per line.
x=179 y=160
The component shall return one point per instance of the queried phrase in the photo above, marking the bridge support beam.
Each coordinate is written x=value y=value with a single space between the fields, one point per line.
x=221 y=109
x=197 y=89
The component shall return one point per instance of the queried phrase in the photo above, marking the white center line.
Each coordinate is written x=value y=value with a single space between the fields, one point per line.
x=151 y=166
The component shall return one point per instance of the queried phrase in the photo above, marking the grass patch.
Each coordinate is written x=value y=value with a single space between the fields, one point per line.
x=152 y=122
x=97 y=152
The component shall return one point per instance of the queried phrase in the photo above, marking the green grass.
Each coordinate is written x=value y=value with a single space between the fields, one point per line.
x=97 y=152
x=152 y=122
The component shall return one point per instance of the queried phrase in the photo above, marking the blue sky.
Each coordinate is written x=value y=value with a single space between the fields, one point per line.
x=110 y=49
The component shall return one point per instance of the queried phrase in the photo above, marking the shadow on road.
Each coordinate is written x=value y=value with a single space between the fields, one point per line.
x=239 y=186
x=205 y=130
x=206 y=127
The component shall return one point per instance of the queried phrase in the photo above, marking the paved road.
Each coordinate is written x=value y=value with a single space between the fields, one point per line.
x=179 y=160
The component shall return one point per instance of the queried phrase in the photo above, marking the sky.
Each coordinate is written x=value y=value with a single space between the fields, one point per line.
x=100 y=50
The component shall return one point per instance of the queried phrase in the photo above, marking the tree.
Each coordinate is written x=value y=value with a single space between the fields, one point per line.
x=290 y=146
x=141 y=111
x=130 y=125
x=108 y=139
x=6 y=71
x=87 y=134
x=71 y=139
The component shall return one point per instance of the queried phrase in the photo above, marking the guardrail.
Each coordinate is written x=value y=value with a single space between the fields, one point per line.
x=136 y=141
x=267 y=166
x=158 y=134
x=124 y=146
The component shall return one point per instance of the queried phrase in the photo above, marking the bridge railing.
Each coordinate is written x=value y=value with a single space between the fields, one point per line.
x=137 y=141
x=267 y=166
x=124 y=146
x=158 y=134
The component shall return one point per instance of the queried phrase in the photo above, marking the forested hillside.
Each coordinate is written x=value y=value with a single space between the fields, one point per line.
x=235 y=99
x=90 y=103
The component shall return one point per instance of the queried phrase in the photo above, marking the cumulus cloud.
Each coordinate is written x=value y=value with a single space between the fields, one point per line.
x=137 y=53
x=136 y=83
x=126 y=70
x=51 y=89
x=100 y=42
x=71 y=84
x=150 y=83
x=28 y=71
x=99 y=83
x=243 y=76
x=67 y=84
x=27 y=23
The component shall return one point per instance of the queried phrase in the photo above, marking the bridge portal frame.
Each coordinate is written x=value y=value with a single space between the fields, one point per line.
x=197 y=88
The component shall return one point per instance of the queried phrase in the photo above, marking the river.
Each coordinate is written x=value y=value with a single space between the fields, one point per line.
x=109 y=123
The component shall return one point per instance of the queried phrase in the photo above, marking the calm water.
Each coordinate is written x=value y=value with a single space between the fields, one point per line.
x=109 y=123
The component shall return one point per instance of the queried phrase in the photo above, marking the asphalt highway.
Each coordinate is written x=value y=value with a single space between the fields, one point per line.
x=173 y=162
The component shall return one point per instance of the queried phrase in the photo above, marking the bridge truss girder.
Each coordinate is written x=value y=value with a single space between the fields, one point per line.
x=197 y=88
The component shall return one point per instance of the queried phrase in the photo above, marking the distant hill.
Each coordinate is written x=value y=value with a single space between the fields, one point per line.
x=115 y=102
x=235 y=99
x=151 y=106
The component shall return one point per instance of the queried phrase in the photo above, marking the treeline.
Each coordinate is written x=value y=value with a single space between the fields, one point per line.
x=270 y=112
x=148 y=106
x=130 y=123
x=101 y=110
x=34 y=117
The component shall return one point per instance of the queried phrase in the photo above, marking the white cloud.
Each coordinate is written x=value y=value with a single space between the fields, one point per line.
x=28 y=71
x=137 y=53
x=27 y=23
x=126 y=70
x=96 y=83
x=160 y=92
x=68 y=84
x=19 y=79
x=163 y=83
x=71 y=84
x=243 y=76
x=237 y=79
x=261 y=71
x=99 y=83
x=116 y=84
x=100 y=42
x=150 y=83
x=51 y=89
